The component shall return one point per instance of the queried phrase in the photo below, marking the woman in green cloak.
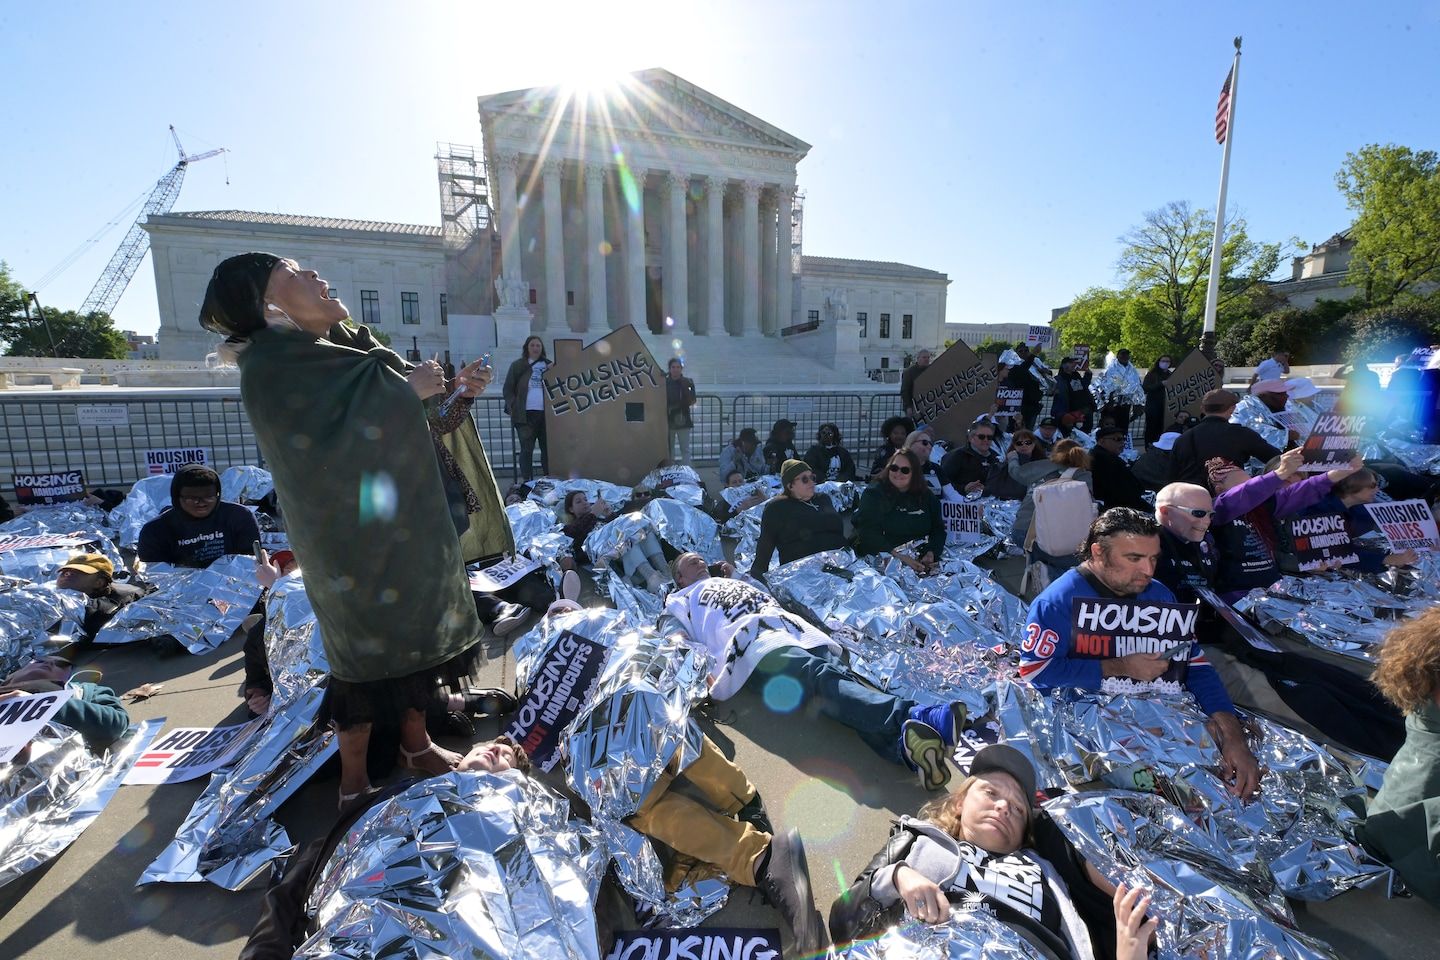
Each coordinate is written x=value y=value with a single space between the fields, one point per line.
x=344 y=435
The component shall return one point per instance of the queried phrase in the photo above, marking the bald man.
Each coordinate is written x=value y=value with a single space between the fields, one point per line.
x=1315 y=697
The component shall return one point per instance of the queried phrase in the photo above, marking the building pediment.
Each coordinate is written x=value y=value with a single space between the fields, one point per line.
x=650 y=104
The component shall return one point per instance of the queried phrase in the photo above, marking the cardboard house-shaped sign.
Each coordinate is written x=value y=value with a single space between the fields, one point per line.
x=1187 y=386
x=956 y=388
x=605 y=409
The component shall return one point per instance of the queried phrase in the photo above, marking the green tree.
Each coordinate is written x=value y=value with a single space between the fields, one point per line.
x=1097 y=317
x=1165 y=261
x=1395 y=193
x=92 y=335
x=1383 y=333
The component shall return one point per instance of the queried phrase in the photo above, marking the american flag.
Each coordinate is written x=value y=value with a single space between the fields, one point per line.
x=1222 y=110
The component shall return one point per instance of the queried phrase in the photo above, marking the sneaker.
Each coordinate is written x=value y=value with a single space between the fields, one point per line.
x=924 y=751
x=948 y=719
x=786 y=884
x=655 y=582
x=570 y=585
x=754 y=814
x=512 y=615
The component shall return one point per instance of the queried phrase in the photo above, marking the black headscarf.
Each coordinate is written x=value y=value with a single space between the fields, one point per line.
x=235 y=299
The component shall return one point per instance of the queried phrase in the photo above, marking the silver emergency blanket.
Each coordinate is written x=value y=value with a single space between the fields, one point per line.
x=1211 y=905
x=1302 y=824
x=47 y=801
x=1331 y=611
x=145 y=501
x=637 y=603
x=75 y=520
x=551 y=491
x=685 y=528
x=766 y=486
x=678 y=482
x=967 y=935
x=1420 y=457
x=477 y=865
x=844 y=494
x=835 y=588
x=200 y=608
x=27 y=612
x=530 y=519
x=228 y=837
x=1117 y=384
x=612 y=538
x=1000 y=518
x=246 y=484
x=1250 y=412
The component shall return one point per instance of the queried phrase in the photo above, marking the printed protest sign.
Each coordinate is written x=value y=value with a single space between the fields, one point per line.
x=167 y=460
x=43 y=488
x=1248 y=631
x=21 y=717
x=554 y=699
x=102 y=414
x=1082 y=353
x=189 y=752
x=1407 y=524
x=1007 y=400
x=12 y=541
x=1104 y=628
x=962 y=519
x=1332 y=442
x=1187 y=386
x=605 y=410
x=504 y=574
x=1038 y=336
x=696 y=943
x=1322 y=539
x=956 y=388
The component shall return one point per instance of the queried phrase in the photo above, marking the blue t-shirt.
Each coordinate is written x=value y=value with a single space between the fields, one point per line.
x=1049 y=660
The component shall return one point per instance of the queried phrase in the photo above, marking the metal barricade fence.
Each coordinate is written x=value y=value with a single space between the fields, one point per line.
x=846 y=410
x=108 y=440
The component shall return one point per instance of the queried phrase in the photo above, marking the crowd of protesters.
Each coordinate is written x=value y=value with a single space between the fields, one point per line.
x=1200 y=509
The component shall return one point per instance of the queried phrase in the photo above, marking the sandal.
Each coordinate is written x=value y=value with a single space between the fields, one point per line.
x=412 y=761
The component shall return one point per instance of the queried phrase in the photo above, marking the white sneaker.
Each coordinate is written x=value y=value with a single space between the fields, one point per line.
x=512 y=615
x=570 y=585
x=655 y=582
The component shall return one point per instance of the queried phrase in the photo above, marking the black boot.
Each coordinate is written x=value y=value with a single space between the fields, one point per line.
x=754 y=814
x=489 y=703
x=785 y=881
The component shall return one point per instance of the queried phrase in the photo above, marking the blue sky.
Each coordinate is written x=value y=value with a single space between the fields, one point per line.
x=1007 y=145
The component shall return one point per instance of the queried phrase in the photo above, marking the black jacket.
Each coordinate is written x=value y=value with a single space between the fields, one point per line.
x=1215 y=437
x=517 y=387
x=1114 y=484
x=1020 y=378
x=819 y=457
x=797 y=529
x=679 y=398
x=907 y=385
x=964 y=466
x=99 y=610
x=777 y=451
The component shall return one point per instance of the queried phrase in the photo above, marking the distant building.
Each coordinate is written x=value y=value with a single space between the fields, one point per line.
x=1319 y=274
x=975 y=334
x=898 y=309
x=142 y=346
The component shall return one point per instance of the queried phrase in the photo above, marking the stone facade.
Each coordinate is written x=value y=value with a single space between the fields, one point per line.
x=884 y=312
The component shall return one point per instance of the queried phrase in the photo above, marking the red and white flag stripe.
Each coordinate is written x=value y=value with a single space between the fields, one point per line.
x=1222 y=110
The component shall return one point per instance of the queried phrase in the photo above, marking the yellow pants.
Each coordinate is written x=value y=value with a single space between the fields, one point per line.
x=707 y=832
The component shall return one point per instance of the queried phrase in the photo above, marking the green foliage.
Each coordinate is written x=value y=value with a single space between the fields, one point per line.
x=1317 y=334
x=1379 y=334
x=1165 y=262
x=1097 y=317
x=12 y=298
x=992 y=346
x=1395 y=193
x=92 y=335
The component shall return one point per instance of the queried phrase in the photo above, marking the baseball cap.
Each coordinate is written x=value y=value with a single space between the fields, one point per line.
x=1003 y=758
x=1166 y=441
x=90 y=563
x=1048 y=422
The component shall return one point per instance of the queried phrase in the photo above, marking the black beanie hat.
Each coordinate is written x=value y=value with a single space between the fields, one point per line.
x=235 y=299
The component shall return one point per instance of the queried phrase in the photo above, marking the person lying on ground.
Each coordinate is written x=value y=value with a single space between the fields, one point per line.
x=898 y=509
x=797 y=521
x=987 y=847
x=95 y=712
x=642 y=564
x=198 y=528
x=749 y=634
x=1121 y=554
x=94 y=575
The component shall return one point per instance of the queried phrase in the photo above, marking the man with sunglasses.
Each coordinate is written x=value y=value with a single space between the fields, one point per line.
x=199 y=528
x=972 y=466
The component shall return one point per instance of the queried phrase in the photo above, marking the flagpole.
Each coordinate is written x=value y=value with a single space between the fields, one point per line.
x=1212 y=289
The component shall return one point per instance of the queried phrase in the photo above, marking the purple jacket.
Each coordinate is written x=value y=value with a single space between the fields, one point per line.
x=1246 y=560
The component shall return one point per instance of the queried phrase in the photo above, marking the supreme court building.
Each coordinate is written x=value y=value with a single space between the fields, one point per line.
x=653 y=203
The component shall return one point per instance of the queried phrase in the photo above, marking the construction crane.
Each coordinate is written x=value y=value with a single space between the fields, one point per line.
x=122 y=266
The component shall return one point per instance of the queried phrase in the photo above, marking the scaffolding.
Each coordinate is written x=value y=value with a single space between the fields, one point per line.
x=464 y=193
x=797 y=231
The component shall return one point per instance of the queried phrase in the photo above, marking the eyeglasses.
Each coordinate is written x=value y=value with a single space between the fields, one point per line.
x=900 y=469
x=982 y=436
x=207 y=498
x=1024 y=443
x=805 y=478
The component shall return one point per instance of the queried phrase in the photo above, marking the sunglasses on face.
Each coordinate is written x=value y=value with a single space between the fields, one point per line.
x=805 y=478
x=900 y=469
x=1024 y=443
x=1195 y=512
x=982 y=436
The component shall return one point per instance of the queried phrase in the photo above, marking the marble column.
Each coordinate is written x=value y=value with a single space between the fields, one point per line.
x=734 y=290
x=677 y=267
x=635 y=255
x=784 y=294
x=769 y=314
x=750 y=258
x=595 y=312
x=507 y=169
x=555 y=312
x=715 y=253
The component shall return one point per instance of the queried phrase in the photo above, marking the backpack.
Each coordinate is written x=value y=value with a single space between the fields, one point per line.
x=1063 y=512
